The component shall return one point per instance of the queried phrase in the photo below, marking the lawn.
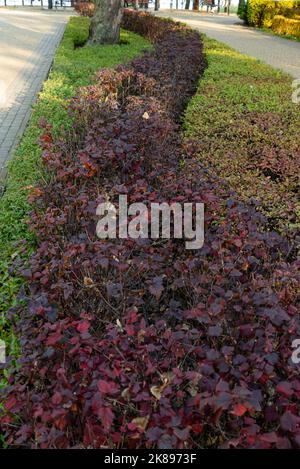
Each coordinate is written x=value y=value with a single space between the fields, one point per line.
x=74 y=66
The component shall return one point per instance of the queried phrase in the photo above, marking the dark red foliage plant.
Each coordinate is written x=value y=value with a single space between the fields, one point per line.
x=143 y=343
x=84 y=8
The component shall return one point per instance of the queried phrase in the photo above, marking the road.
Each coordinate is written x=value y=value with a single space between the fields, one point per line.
x=276 y=51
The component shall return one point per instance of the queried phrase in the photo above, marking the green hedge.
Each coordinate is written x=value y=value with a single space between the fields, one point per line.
x=76 y=34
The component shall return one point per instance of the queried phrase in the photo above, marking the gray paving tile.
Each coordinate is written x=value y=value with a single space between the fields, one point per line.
x=24 y=88
x=278 y=52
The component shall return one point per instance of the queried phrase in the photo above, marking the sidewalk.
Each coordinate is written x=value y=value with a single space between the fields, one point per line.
x=276 y=51
x=28 y=40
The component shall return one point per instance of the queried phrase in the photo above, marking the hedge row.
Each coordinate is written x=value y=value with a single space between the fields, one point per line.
x=142 y=343
x=286 y=26
x=73 y=67
x=260 y=13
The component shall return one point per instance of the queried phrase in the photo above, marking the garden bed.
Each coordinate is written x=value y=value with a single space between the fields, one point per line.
x=249 y=133
x=71 y=70
x=142 y=343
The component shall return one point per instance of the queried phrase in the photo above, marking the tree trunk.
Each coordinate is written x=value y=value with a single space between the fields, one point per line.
x=106 y=22
x=187 y=4
x=228 y=7
x=196 y=5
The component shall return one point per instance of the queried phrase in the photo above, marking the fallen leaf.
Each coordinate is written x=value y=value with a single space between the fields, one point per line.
x=119 y=324
x=157 y=391
x=141 y=422
x=88 y=282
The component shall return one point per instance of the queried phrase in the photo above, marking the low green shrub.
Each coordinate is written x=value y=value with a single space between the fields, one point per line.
x=286 y=26
x=248 y=130
x=77 y=33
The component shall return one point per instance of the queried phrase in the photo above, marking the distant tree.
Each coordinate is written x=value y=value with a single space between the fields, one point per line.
x=242 y=10
x=106 y=22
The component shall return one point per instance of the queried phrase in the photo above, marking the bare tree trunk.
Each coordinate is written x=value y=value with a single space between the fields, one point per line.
x=196 y=5
x=106 y=22
x=228 y=7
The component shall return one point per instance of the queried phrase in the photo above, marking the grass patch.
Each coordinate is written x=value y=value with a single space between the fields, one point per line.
x=248 y=130
x=74 y=66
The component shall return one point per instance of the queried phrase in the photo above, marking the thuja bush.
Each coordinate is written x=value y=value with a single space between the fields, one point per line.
x=143 y=343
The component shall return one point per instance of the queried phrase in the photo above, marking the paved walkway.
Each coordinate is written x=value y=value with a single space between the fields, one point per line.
x=276 y=51
x=28 y=40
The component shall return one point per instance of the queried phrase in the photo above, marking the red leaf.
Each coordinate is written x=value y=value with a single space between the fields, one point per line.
x=239 y=410
x=107 y=387
x=130 y=330
x=289 y=422
x=157 y=287
x=10 y=403
x=54 y=338
x=83 y=326
x=182 y=434
x=285 y=388
x=56 y=398
x=107 y=416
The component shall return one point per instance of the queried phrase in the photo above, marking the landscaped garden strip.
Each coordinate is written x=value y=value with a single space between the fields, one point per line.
x=143 y=343
x=248 y=130
x=74 y=66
